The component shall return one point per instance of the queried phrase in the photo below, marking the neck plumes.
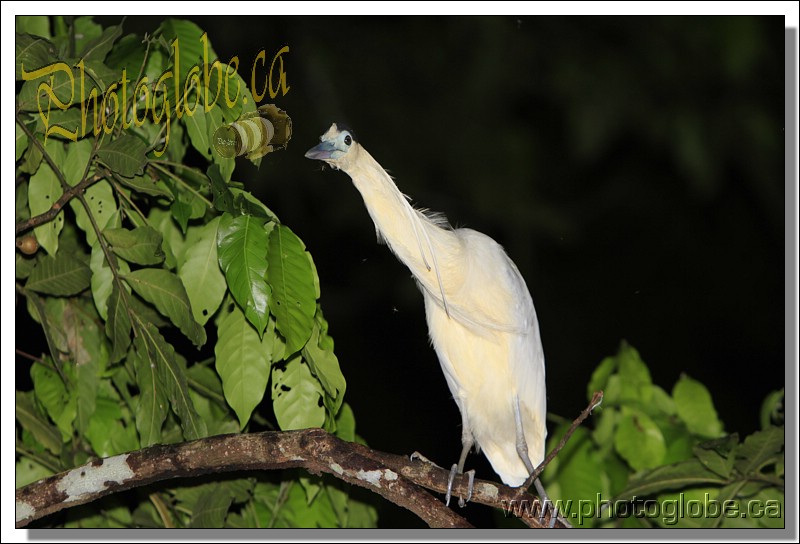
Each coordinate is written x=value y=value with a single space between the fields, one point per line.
x=421 y=243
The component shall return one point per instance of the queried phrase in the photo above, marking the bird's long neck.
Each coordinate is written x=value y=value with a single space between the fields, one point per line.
x=429 y=250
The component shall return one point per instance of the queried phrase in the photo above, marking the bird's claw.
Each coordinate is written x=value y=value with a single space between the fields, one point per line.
x=417 y=455
x=545 y=503
x=453 y=472
x=461 y=502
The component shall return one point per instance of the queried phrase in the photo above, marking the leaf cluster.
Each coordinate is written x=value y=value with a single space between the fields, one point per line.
x=134 y=261
x=659 y=459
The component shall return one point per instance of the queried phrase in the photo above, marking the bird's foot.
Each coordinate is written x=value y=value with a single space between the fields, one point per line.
x=545 y=505
x=461 y=502
x=417 y=455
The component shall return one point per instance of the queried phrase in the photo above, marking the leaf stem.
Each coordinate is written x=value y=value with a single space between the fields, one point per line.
x=157 y=165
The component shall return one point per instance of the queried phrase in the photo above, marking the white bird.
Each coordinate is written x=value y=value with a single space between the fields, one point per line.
x=480 y=314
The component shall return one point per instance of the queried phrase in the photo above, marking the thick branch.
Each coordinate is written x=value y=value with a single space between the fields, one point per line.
x=312 y=449
x=396 y=478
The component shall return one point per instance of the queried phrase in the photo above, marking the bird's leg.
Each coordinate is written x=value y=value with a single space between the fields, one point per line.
x=467 y=441
x=522 y=451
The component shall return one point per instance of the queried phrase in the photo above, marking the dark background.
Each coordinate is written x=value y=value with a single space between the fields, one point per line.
x=632 y=167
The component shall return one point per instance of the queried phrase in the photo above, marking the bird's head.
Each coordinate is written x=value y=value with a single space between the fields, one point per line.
x=337 y=147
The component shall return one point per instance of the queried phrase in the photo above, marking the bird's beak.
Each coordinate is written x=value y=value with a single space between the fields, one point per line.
x=321 y=152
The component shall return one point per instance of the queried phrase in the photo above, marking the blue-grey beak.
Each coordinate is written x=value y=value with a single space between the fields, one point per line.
x=322 y=151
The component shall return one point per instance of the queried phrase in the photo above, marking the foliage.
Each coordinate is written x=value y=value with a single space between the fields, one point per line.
x=169 y=296
x=656 y=459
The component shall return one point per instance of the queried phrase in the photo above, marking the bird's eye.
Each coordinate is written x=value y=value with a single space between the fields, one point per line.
x=348 y=140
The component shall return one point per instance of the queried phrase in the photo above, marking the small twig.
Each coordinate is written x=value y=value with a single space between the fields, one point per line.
x=115 y=182
x=597 y=398
x=33 y=358
x=57 y=206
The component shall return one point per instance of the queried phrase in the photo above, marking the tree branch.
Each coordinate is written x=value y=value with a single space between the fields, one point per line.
x=396 y=478
x=312 y=449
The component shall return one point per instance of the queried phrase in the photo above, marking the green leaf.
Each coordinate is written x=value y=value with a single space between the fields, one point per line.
x=78 y=155
x=296 y=512
x=600 y=376
x=296 y=396
x=182 y=212
x=88 y=349
x=759 y=449
x=678 y=476
x=98 y=48
x=361 y=515
x=714 y=461
x=32 y=53
x=639 y=440
x=223 y=197
x=62 y=275
x=147 y=185
x=242 y=247
x=141 y=245
x=772 y=409
x=44 y=190
x=325 y=366
x=174 y=242
x=103 y=279
x=106 y=433
x=164 y=290
x=695 y=408
x=291 y=278
x=118 y=325
x=103 y=207
x=190 y=47
x=29 y=418
x=661 y=402
x=631 y=383
x=243 y=362
x=52 y=393
x=197 y=127
x=20 y=142
x=127 y=54
x=125 y=155
x=170 y=367
x=62 y=83
x=211 y=507
x=199 y=270
x=205 y=381
x=346 y=424
x=153 y=405
x=38 y=25
x=86 y=30
x=27 y=471
x=717 y=454
x=247 y=204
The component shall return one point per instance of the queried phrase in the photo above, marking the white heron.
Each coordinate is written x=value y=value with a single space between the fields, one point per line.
x=480 y=315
